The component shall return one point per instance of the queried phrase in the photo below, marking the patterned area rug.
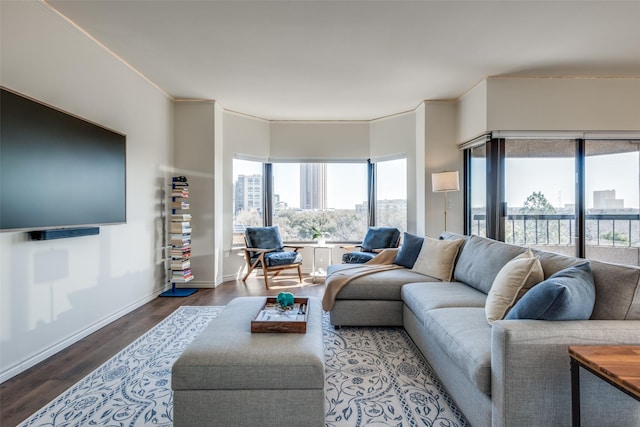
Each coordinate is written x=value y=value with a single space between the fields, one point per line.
x=374 y=377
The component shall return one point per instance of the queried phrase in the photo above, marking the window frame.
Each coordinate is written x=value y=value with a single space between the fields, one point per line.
x=268 y=188
x=495 y=180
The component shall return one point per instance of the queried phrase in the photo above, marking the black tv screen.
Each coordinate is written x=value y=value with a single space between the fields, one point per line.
x=57 y=170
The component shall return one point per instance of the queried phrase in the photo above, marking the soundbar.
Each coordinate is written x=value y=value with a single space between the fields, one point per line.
x=63 y=233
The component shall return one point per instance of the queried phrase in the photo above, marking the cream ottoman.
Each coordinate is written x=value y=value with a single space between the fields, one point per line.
x=229 y=376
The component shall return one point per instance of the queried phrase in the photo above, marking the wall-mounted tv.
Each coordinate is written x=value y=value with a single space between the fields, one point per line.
x=57 y=170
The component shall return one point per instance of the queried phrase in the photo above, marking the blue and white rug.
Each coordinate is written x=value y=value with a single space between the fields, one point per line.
x=374 y=377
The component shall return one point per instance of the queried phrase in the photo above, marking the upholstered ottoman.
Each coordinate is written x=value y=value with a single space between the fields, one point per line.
x=229 y=376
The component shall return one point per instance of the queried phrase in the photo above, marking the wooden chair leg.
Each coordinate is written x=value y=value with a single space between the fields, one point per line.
x=299 y=274
x=266 y=277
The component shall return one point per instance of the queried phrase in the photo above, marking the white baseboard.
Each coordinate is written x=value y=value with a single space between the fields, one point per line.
x=55 y=348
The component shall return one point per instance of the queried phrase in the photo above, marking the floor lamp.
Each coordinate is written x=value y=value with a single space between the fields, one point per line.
x=443 y=182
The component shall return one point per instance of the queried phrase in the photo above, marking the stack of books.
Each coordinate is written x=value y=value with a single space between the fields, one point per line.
x=180 y=231
x=181 y=276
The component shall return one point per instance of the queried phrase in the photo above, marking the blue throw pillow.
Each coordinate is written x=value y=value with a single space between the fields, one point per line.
x=409 y=251
x=568 y=294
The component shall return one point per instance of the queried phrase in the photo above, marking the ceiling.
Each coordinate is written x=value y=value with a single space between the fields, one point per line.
x=356 y=60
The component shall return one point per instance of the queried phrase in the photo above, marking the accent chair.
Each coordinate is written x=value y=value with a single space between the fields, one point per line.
x=265 y=250
x=376 y=239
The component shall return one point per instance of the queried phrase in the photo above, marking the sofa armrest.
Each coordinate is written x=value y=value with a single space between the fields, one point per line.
x=530 y=372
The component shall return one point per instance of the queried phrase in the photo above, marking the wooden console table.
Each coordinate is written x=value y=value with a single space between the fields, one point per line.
x=619 y=365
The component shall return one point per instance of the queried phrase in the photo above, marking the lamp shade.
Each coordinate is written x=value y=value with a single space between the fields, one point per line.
x=445 y=181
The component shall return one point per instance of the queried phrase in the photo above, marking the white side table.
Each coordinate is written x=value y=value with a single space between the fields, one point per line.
x=315 y=250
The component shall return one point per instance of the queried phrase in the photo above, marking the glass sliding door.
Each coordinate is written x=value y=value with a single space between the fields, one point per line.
x=612 y=193
x=477 y=169
x=539 y=176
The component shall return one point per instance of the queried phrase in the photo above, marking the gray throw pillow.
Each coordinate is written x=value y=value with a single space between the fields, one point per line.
x=409 y=250
x=569 y=294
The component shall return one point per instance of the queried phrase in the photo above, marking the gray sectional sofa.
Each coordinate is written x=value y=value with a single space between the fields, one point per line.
x=511 y=372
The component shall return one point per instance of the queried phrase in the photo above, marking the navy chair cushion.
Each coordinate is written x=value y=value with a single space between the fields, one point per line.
x=264 y=238
x=409 y=251
x=569 y=294
x=380 y=238
x=282 y=258
x=357 y=257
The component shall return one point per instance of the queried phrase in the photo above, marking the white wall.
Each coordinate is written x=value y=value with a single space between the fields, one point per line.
x=549 y=104
x=442 y=154
x=417 y=186
x=398 y=135
x=563 y=104
x=194 y=157
x=319 y=140
x=471 y=114
x=249 y=137
x=53 y=293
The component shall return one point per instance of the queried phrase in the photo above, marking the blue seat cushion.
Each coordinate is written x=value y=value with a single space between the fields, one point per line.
x=282 y=258
x=357 y=257
x=380 y=238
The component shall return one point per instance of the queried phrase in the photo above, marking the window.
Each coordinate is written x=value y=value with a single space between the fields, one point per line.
x=478 y=190
x=391 y=194
x=612 y=192
x=576 y=196
x=539 y=176
x=332 y=197
x=247 y=197
x=329 y=197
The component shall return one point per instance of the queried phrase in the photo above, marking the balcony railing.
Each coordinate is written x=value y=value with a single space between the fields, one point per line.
x=608 y=237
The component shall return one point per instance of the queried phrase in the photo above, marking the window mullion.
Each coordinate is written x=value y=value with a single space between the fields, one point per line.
x=496 y=209
x=371 y=191
x=267 y=196
x=580 y=199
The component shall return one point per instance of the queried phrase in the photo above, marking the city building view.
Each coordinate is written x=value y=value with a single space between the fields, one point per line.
x=310 y=197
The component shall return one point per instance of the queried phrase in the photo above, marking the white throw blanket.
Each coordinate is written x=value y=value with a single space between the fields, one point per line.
x=338 y=279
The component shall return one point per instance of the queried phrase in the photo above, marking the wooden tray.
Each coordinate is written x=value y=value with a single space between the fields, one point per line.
x=269 y=319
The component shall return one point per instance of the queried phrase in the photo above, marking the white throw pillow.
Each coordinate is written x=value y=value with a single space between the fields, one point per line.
x=513 y=280
x=437 y=258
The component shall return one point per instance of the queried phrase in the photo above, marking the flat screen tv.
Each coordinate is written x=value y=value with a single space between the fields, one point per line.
x=57 y=170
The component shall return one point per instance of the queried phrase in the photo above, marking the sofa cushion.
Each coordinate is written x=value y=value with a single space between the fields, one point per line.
x=511 y=283
x=567 y=295
x=617 y=286
x=422 y=297
x=408 y=253
x=437 y=258
x=465 y=336
x=480 y=261
x=383 y=285
x=617 y=291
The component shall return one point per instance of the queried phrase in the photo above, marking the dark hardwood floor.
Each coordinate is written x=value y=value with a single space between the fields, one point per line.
x=29 y=391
